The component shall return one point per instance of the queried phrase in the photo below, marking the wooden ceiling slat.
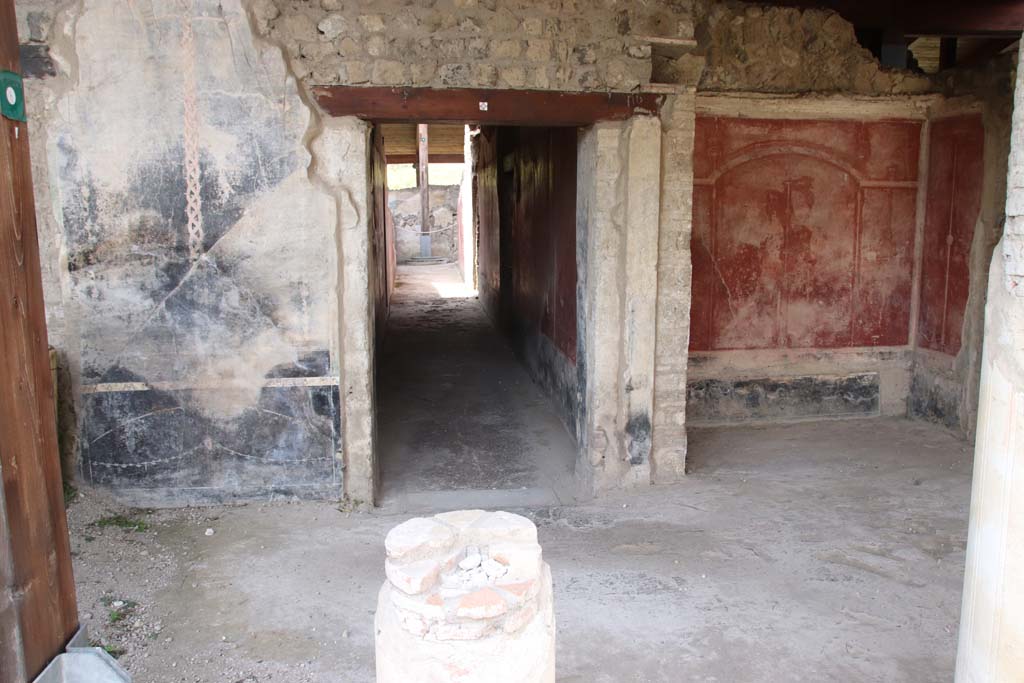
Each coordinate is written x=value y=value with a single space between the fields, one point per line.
x=434 y=158
x=445 y=139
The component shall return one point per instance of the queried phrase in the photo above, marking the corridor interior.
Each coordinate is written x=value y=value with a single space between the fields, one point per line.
x=460 y=422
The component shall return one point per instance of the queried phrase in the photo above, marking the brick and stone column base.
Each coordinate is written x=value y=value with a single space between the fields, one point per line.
x=468 y=599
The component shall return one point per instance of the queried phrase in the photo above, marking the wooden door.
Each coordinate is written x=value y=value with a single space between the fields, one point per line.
x=38 y=613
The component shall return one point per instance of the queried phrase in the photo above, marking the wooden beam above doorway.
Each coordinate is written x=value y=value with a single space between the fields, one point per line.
x=496 y=107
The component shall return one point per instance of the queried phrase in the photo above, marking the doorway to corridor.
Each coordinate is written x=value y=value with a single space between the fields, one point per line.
x=476 y=393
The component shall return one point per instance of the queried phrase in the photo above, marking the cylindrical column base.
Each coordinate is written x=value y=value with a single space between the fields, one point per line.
x=468 y=599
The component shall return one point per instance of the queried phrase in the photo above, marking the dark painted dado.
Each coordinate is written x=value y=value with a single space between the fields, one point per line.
x=733 y=400
x=156 y=447
x=935 y=400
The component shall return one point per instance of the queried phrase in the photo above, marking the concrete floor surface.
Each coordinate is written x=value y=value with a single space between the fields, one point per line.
x=828 y=551
x=459 y=421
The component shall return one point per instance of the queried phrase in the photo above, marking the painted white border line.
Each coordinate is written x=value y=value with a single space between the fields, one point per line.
x=274 y=382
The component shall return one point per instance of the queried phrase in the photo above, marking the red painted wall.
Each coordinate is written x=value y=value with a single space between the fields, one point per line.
x=526 y=204
x=803 y=233
x=955 y=173
x=542 y=232
x=383 y=237
x=485 y=201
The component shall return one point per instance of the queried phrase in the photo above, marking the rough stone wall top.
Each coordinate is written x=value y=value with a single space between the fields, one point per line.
x=781 y=49
x=575 y=45
x=541 y=44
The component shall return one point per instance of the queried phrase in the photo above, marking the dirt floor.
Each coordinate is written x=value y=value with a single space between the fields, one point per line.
x=828 y=551
x=459 y=418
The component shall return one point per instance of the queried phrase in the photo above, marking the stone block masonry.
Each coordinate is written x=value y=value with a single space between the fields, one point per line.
x=467 y=598
x=674 y=269
x=444 y=205
x=557 y=45
x=785 y=49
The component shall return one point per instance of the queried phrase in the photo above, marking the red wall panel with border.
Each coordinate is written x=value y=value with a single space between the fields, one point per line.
x=955 y=173
x=803 y=233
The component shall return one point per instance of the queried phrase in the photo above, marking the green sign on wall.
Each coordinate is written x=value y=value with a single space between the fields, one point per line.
x=12 y=96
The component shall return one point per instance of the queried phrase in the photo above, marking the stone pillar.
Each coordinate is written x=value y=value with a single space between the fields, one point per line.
x=992 y=618
x=598 y=244
x=668 y=456
x=618 y=189
x=341 y=158
x=468 y=599
x=643 y=189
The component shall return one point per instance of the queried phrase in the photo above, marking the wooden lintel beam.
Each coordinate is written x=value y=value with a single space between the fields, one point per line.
x=496 y=107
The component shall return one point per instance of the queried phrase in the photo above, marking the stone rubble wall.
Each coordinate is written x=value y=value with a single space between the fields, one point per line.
x=775 y=50
x=555 y=44
x=444 y=205
x=576 y=45
x=672 y=324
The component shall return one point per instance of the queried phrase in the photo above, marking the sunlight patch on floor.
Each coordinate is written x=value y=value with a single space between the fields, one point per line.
x=449 y=289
